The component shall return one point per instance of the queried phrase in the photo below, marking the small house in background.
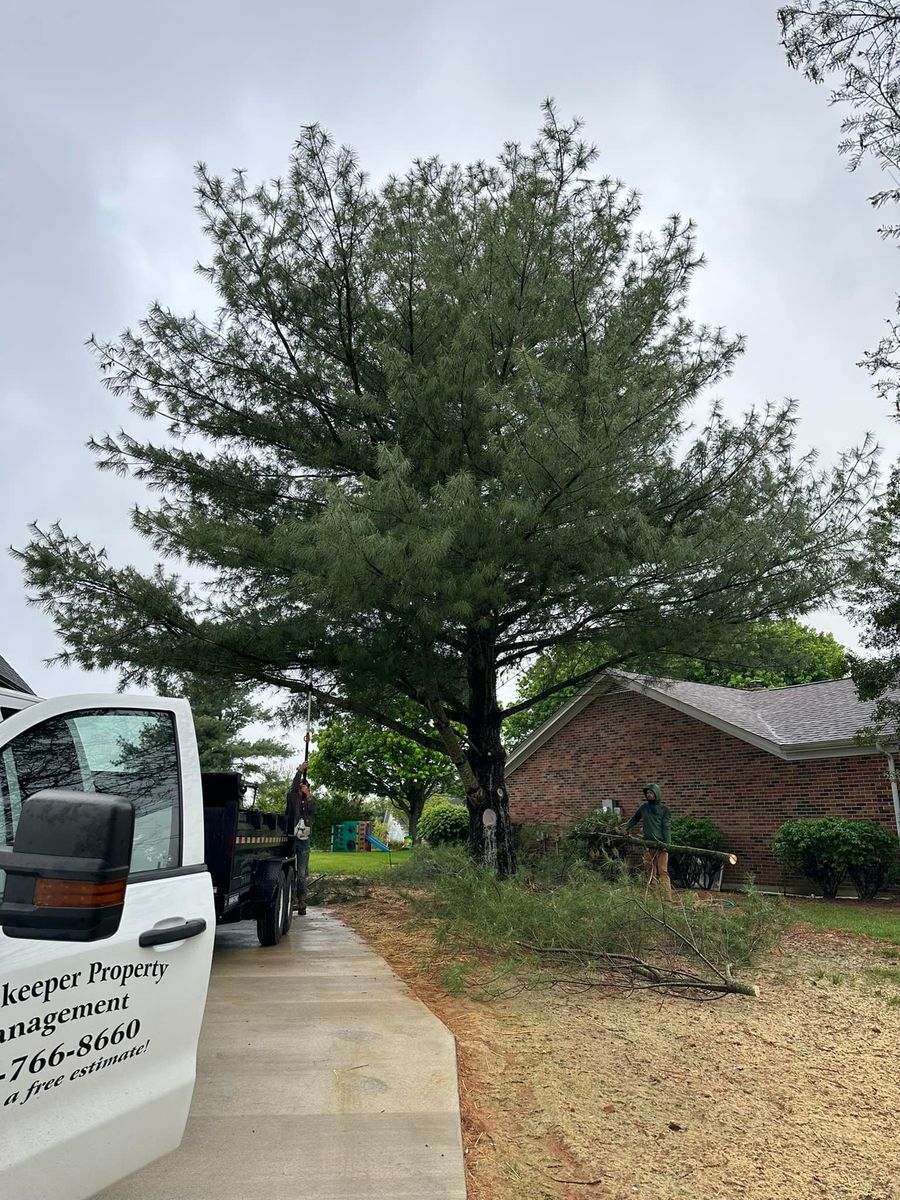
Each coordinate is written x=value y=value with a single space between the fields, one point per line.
x=15 y=694
x=11 y=679
x=750 y=759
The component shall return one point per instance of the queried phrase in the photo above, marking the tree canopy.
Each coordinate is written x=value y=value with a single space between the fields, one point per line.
x=856 y=43
x=358 y=756
x=439 y=426
x=773 y=654
x=222 y=713
x=877 y=607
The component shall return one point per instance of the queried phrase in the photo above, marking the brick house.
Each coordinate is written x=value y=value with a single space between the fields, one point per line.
x=748 y=758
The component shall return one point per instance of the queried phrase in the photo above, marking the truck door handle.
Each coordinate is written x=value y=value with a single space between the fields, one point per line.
x=172 y=933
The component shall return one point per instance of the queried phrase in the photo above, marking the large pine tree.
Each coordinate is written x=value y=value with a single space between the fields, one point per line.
x=440 y=426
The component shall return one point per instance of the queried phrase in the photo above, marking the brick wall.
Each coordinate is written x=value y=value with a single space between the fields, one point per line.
x=623 y=741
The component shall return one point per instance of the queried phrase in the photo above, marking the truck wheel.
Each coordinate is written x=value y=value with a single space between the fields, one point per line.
x=268 y=926
x=288 y=917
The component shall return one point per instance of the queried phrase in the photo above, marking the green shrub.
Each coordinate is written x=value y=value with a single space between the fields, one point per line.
x=871 y=858
x=697 y=831
x=691 y=870
x=444 y=823
x=826 y=849
x=815 y=846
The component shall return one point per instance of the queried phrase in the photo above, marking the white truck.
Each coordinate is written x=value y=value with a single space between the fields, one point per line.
x=108 y=917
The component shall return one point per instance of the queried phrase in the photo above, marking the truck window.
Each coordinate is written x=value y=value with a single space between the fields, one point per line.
x=122 y=752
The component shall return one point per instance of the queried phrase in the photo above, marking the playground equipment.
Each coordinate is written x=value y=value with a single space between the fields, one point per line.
x=355 y=835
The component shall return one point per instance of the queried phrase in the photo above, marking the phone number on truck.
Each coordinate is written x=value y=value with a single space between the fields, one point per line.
x=86 y=1045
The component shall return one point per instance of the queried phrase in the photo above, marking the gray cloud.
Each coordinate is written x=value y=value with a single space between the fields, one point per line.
x=104 y=108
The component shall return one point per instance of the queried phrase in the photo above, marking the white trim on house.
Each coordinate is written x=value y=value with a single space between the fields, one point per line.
x=15 y=701
x=614 y=681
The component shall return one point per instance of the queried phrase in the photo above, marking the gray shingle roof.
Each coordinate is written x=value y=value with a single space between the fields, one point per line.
x=805 y=721
x=805 y=714
x=12 y=679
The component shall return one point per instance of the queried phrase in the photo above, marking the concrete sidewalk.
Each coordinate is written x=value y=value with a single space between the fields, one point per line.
x=319 y=1078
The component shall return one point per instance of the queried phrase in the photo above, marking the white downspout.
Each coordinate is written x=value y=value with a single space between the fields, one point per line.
x=892 y=777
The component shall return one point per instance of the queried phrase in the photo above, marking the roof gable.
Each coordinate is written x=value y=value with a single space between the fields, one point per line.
x=12 y=679
x=813 y=720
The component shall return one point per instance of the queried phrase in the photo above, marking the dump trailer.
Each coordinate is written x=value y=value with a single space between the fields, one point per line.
x=251 y=857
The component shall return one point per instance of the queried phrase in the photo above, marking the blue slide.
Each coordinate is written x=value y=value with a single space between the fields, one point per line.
x=373 y=841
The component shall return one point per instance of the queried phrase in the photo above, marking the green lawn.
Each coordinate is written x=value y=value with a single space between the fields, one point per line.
x=372 y=862
x=872 y=920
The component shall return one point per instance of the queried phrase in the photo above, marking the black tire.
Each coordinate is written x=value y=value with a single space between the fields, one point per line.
x=268 y=926
x=290 y=879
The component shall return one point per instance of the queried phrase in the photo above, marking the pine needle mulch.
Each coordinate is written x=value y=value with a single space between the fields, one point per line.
x=625 y=1095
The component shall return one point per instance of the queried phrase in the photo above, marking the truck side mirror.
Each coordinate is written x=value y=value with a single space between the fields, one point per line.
x=67 y=871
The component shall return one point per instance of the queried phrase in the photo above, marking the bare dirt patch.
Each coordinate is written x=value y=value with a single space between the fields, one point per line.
x=791 y=1096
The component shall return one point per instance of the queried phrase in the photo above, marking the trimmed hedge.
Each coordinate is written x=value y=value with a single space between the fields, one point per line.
x=443 y=823
x=828 y=849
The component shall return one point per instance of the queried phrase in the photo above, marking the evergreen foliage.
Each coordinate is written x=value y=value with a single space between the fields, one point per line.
x=579 y=929
x=439 y=427
x=222 y=712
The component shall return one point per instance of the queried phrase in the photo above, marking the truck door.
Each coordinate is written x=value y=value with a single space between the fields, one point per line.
x=98 y=1038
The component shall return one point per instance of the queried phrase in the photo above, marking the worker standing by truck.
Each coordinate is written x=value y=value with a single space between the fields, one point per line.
x=301 y=812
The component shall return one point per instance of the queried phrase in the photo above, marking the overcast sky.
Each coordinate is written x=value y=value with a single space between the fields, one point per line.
x=104 y=107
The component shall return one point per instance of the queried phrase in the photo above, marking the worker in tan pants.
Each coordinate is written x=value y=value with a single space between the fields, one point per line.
x=656 y=826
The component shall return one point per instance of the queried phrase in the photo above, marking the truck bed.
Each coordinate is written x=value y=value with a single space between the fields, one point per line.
x=240 y=845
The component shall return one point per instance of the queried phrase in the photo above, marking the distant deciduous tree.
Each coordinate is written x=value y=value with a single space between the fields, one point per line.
x=877 y=608
x=359 y=756
x=856 y=43
x=775 y=654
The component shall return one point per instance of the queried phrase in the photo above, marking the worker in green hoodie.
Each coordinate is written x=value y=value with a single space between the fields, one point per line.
x=656 y=826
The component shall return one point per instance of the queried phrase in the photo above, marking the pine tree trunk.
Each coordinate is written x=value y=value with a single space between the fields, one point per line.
x=491 y=838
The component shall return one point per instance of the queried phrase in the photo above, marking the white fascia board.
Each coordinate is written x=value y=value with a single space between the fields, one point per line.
x=18 y=700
